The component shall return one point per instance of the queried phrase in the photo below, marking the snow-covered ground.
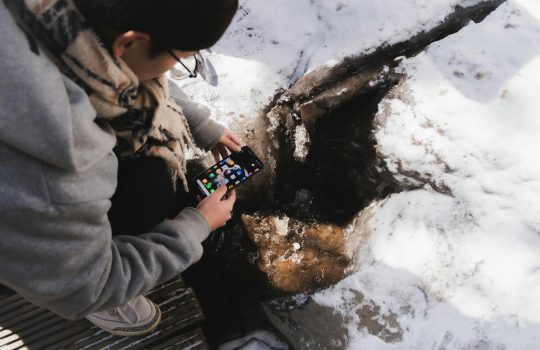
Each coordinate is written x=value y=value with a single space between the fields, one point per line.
x=460 y=269
x=465 y=265
x=271 y=44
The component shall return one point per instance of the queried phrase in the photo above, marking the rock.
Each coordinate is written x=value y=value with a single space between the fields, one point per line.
x=298 y=256
x=340 y=93
x=312 y=81
x=308 y=325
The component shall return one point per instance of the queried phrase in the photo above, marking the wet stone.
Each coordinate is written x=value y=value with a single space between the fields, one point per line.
x=309 y=325
x=298 y=256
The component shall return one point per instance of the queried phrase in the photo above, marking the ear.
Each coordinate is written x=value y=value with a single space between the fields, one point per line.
x=129 y=41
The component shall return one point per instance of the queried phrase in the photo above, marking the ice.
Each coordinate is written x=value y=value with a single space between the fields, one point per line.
x=301 y=143
x=282 y=225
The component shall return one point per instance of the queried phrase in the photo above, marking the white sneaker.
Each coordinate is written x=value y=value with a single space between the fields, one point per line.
x=139 y=316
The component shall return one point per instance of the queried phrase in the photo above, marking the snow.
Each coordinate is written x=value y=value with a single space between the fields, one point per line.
x=271 y=44
x=465 y=265
x=301 y=143
x=282 y=225
x=456 y=260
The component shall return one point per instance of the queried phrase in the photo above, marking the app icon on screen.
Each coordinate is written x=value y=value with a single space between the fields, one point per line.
x=233 y=177
x=209 y=185
x=204 y=181
x=211 y=175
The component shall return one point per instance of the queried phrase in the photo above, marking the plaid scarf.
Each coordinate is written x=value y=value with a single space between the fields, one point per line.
x=147 y=121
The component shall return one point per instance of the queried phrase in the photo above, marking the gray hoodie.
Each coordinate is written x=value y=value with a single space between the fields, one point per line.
x=57 y=174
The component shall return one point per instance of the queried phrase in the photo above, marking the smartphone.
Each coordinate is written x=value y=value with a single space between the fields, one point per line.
x=231 y=172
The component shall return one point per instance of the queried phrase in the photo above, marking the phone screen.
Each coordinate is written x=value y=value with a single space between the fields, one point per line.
x=231 y=172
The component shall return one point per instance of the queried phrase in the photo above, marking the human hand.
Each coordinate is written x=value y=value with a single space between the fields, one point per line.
x=216 y=209
x=228 y=142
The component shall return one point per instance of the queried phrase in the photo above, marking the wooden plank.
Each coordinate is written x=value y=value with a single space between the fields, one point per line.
x=89 y=331
x=193 y=339
x=168 y=327
x=71 y=330
x=7 y=310
x=8 y=299
x=25 y=326
x=166 y=293
x=21 y=309
x=32 y=334
x=23 y=321
x=21 y=333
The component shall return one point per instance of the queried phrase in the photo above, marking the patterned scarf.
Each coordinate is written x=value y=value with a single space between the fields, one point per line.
x=147 y=121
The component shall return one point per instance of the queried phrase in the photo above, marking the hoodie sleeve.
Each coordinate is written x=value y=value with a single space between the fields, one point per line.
x=205 y=131
x=62 y=257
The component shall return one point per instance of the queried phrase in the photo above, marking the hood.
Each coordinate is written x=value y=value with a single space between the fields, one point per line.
x=43 y=113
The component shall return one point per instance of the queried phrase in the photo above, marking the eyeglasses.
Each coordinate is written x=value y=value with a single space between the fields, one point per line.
x=192 y=72
x=194 y=66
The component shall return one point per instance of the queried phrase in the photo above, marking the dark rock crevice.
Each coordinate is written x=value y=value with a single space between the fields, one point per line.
x=342 y=173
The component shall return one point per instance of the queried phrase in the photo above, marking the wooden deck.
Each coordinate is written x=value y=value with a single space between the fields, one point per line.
x=25 y=326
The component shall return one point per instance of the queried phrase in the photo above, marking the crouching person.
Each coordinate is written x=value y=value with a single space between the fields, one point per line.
x=94 y=205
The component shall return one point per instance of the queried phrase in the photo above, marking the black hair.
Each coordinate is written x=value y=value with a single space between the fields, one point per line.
x=186 y=25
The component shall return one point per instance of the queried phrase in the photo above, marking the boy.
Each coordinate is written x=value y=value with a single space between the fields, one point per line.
x=79 y=78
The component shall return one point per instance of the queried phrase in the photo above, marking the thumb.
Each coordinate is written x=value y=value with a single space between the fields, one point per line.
x=220 y=192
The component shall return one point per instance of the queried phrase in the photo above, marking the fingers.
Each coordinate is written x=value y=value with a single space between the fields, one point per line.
x=232 y=198
x=220 y=192
x=231 y=141
x=217 y=195
x=230 y=202
x=216 y=209
x=236 y=140
x=223 y=151
x=215 y=153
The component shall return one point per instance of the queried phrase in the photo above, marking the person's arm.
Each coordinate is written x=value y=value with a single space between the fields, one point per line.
x=62 y=257
x=57 y=174
x=205 y=130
